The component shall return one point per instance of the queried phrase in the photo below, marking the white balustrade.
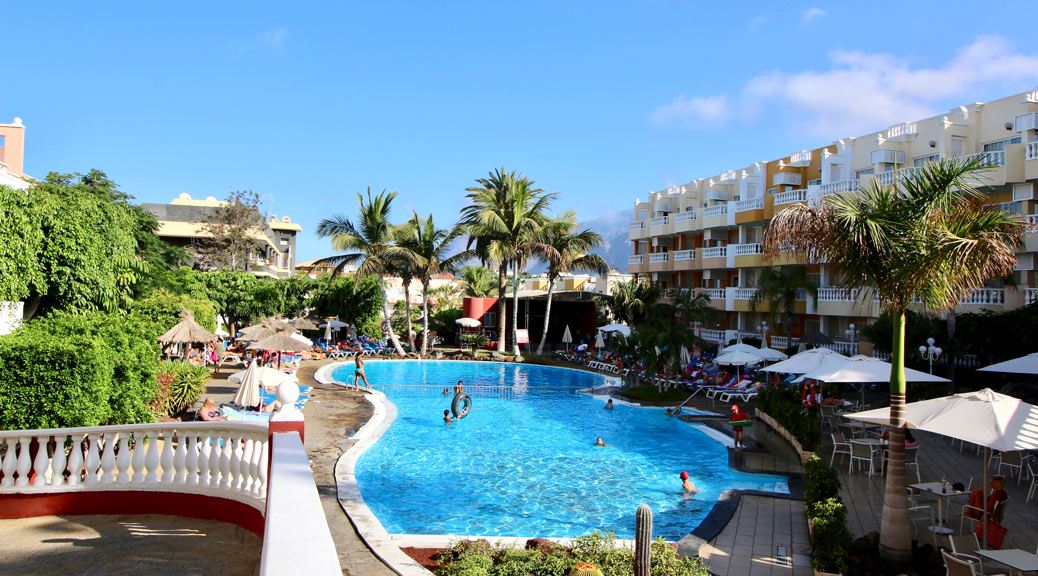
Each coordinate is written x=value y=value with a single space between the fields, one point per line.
x=711 y=335
x=226 y=459
x=636 y=259
x=838 y=187
x=801 y=159
x=751 y=204
x=657 y=257
x=888 y=178
x=660 y=221
x=986 y=296
x=838 y=294
x=791 y=196
x=685 y=216
x=779 y=342
x=746 y=249
x=684 y=255
x=712 y=293
x=715 y=210
x=991 y=158
x=1030 y=295
x=1031 y=152
x=902 y=131
x=845 y=348
x=744 y=293
x=637 y=225
x=727 y=177
x=715 y=252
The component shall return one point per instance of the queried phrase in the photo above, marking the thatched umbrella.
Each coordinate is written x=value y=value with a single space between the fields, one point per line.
x=303 y=324
x=280 y=341
x=264 y=329
x=187 y=331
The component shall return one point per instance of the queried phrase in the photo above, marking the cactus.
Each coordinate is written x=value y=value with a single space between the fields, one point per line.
x=643 y=541
x=584 y=569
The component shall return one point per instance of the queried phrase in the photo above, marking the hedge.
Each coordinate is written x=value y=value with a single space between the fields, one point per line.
x=830 y=538
x=54 y=382
x=164 y=308
x=784 y=406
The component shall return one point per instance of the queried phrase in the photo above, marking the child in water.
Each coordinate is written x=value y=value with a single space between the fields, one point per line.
x=447 y=416
x=687 y=484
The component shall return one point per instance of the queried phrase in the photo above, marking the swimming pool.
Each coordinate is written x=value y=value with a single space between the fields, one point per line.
x=523 y=462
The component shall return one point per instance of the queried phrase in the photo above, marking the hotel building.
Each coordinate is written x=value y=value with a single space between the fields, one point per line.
x=705 y=236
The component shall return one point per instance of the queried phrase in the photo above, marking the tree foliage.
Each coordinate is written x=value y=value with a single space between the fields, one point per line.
x=240 y=297
x=231 y=228
x=350 y=300
x=478 y=282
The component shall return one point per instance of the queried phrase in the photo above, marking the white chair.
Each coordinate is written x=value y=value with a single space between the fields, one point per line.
x=861 y=452
x=827 y=416
x=1033 y=471
x=840 y=446
x=967 y=545
x=922 y=515
x=1012 y=460
x=911 y=455
x=956 y=564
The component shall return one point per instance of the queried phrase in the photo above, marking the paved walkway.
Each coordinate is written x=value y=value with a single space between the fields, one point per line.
x=126 y=545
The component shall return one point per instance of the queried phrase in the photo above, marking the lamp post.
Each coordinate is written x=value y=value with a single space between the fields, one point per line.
x=930 y=352
x=852 y=334
x=763 y=327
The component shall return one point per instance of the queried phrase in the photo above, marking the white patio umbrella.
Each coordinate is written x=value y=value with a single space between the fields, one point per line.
x=740 y=347
x=567 y=338
x=335 y=324
x=987 y=418
x=803 y=362
x=685 y=355
x=770 y=354
x=248 y=394
x=327 y=332
x=301 y=339
x=599 y=341
x=737 y=359
x=866 y=370
x=1022 y=365
x=621 y=328
x=468 y=322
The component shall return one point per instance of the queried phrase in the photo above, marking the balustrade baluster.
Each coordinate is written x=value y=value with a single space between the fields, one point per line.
x=206 y=448
x=41 y=464
x=168 y=470
x=233 y=478
x=75 y=459
x=123 y=461
x=151 y=459
x=216 y=439
x=191 y=472
x=140 y=451
x=57 y=461
x=260 y=488
x=93 y=458
x=8 y=464
x=24 y=464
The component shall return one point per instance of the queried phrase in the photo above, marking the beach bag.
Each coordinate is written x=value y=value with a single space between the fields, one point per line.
x=996 y=534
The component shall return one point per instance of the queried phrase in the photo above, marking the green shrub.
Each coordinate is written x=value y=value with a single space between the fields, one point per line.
x=54 y=382
x=830 y=539
x=180 y=385
x=820 y=481
x=473 y=340
x=163 y=308
x=784 y=406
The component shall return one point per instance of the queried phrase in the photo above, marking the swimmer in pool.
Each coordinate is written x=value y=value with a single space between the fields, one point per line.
x=609 y=404
x=687 y=484
x=600 y=442
x=447 y=417
x=459 y=388
x=446 y=392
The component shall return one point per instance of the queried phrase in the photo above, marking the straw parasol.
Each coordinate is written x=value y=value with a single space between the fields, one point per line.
x=187 y=331
x=280 y=341
x=303 y=324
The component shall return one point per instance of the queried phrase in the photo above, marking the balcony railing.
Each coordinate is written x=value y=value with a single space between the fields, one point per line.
x=802 y=158
x=715 y=210
x=660 y=221
x=986 y=296
x=838 y=187
x=711 y=335
x=781 y=342
x=1032 y=151
x=684 y=255
x=1030 y=295
x=751 y=204
x=845 y=348
x=744 y=293
x=903 y=131
x=746 y=249
x=715 y=252
x=636 y=259
x=790 y=197
x=727 y=177
x=991 y=158
x=888 y=178
x=657 y=257
x=685 y=216
x=838 y=294
x=712 y=293
x=1032 y=219
x=637 y=225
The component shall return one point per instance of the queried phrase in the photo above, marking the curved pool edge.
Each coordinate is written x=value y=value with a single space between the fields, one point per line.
x=387 y=547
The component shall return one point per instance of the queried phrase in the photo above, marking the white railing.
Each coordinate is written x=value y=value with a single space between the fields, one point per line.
x=636 y=259
x=746 y=249
x=888 y=178
x=802 y=158
x=711 y=335
x=715 y=210
x=685 y=216
x=218 y=459
x=1032 y=219
x=986 y=296
x=683 y=255
x=744 y=293
x=790 y=197
x=992 y=158
x=1030 y=295
x=711 y=293
x=715 y=252
x=845 y=348
x=838 y=294
x=751 y=204
x=1031 y=152
x=781 y=342
x=901 y=131
x=657 y=257
x=727 y=177
x=637 y=225
x=660 y=221
x=838 y=187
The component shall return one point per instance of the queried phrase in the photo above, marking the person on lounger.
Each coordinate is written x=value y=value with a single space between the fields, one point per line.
x=209 y=412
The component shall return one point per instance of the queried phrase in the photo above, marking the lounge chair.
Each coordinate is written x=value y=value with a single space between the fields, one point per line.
x=733 y=385
x=744 y=392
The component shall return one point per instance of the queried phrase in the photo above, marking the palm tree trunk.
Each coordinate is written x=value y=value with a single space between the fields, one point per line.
x=515 y=309
x=425 y=318
x=895 y=537
x=407 y=312
x=502 y=305
x=547 y=317
x=385 y=317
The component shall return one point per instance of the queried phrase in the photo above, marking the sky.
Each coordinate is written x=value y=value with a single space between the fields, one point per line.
x=309 y=104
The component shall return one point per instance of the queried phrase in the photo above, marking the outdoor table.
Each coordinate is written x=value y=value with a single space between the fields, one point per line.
x=1015 y=558
x=935 y=488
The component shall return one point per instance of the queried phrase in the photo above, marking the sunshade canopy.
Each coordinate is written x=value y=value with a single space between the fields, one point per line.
x=566 y=336
x=737 y=359
x=621 y=328
x=303 y=324
x=1022 y=365
x=468 y=322
x=770 y=354
x=985 y=417
x=280 y=341
x=187 y=331
x=803 y=362
x=865 y=370
x=740 y=347
x=335 y=324
x=248 y=394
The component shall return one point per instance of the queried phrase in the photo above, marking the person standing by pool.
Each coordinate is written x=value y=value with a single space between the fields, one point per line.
x=687 y=484
x=737 y=420
x=358 y=372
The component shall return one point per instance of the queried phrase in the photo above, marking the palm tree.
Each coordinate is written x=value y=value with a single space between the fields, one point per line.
x=631 y=301
x=503 y=220
x=928 y=236
x=370 y=241
x=571 y=248
x=405 y=269
x=779 y=287
x=477 y=281
x=429 y=245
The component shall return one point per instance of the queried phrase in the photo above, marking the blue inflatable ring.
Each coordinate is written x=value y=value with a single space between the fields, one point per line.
x=461 y=405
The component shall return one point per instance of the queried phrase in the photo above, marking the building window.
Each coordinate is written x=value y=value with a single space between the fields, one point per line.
x=1000 y=146
x=773 y=190
x=920 y=160
x=815 y=182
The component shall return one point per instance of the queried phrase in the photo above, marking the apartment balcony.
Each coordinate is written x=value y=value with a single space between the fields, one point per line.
x=885 y=156
x=744 y=293
x=715 y=210
x=902 y=132
x=718 y=299
x=663 y=205
x=786 y=179
x=638 y=231
x=1031 y=151
x=684 y=255
x=660 y=226
x=660 y=221
x=684 y=221
x=845 y=302
x=1025 y=122
x=716 y=195
x=747 y=205
x=838 y=187
x=727 y=177
x=800 y=159
x=791 y=197
x=637 y=264
x=1030 y=295
x=686 y=260
x=985 y=297
x=991 y=159
x=715 y=257
x=746 y=249
x=889 y=177
x=711 y=335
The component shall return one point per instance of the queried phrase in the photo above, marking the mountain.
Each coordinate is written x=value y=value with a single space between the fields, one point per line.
x=614 y=249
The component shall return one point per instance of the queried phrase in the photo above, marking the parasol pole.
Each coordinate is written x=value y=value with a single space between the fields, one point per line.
x=984 y=505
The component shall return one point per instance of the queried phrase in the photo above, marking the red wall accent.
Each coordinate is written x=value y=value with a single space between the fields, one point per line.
x=131 y=502
x=477 y=307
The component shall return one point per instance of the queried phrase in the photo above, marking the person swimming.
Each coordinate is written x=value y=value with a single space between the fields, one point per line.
x=687 y=484
x=600 y=442
x=447 y=416
x=609 y=404
x=459 y=388
x=446 y=391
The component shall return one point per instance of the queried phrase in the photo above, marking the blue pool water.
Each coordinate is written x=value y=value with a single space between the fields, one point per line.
x=523 y=462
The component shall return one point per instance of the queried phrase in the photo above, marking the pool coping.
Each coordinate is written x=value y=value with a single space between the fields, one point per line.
x=386 y=547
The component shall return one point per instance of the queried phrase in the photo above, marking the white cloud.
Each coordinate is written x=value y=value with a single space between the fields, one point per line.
x=812 y=13
x=275 y=38
x=694 y=111
x=862 y=91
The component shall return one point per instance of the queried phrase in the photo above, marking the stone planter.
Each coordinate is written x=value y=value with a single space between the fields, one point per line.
x=767 y=419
